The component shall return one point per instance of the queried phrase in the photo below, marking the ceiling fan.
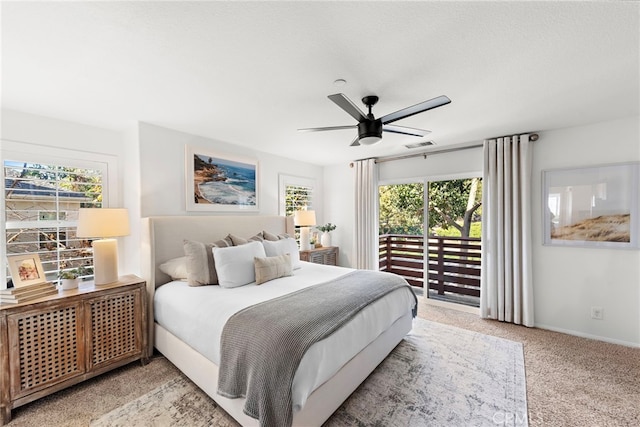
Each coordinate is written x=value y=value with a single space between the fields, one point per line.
x=369 y=128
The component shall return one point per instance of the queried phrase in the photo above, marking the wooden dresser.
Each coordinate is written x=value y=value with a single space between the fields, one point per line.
x=327 y=255
x=62 y=339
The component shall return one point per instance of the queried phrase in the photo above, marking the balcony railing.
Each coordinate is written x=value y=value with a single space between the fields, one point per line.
x=453 y=269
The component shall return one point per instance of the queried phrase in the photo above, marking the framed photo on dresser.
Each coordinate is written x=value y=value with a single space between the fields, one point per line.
x=26 y=270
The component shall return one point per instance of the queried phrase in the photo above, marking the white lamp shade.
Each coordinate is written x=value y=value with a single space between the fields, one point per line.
x=304 y=218
x=102 y=222
x=98 y=223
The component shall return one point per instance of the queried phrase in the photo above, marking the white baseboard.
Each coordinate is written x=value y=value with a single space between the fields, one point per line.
x=590 y=336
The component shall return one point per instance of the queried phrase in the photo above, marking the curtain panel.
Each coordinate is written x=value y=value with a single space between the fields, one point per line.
x=366 y=211
x=506 y=292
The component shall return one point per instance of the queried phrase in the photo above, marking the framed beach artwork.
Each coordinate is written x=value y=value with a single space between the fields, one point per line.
x=220 y=182
x=594 y=206
x=26 y=270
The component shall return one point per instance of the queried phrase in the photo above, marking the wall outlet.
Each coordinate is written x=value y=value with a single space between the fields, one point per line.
x=596 y=313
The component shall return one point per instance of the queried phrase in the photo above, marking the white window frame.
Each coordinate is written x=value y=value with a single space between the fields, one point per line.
x=286 y=180
x=41 y=154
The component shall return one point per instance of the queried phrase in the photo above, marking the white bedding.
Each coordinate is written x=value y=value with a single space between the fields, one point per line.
x=197 y=315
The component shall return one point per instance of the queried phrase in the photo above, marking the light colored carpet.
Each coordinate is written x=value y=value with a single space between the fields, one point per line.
x=438 y=375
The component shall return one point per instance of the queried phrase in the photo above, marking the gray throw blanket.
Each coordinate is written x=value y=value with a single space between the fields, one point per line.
x=262 y=345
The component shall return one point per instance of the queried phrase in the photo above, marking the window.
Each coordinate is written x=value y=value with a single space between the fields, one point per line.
x=446 y=260
x=41 y=211
x=296 y=193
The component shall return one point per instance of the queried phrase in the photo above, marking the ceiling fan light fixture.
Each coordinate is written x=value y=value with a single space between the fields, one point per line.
x=370 y=132
x=370 y=140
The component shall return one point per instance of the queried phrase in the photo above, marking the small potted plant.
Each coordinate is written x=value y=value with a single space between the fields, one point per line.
x=326 y=229
x=69 y=279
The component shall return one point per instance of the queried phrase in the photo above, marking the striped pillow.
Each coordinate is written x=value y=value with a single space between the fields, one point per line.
x=201 y=269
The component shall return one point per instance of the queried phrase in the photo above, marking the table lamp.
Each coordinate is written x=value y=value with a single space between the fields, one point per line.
x=103 y=224
x=304 y=220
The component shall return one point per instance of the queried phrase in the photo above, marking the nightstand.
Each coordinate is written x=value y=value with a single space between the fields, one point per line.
x=59 y=340
x=327 y=255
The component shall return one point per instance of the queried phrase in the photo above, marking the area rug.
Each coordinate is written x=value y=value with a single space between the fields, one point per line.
x=438 y=375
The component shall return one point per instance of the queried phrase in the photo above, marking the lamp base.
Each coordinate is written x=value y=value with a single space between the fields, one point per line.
x=105 y=261
x=305 y=240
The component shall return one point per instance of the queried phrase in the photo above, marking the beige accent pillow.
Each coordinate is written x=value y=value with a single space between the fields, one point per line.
x=270 y=268
x=270 y=236
x=176 y=268
x=237 y=240
x=201 y=268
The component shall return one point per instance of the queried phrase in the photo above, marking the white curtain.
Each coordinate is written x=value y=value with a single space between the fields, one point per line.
x=366 y=221
x=506 y=292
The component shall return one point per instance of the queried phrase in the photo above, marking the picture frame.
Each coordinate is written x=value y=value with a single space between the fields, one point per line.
x=26 y=270
x=220 y=182
x=592 y=206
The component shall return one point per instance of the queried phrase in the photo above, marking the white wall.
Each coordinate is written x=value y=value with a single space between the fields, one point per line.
x=339 y=209
x=162 y=171
x=569 y=281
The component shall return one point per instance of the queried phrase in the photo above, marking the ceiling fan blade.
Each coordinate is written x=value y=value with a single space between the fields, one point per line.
x=345 y=103
x=355 y=142
x=415 y=109
x=327 y=128
x=405 y=130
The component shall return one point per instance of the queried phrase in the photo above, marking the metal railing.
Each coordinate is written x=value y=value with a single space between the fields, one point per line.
x=453 y=264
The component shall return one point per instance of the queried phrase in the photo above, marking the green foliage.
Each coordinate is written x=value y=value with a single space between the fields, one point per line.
x=296 y=198
x=476 y=231
x=454 y=206
x=448 y=201
x=401 y=209
x=327 y=227
x=75 y=272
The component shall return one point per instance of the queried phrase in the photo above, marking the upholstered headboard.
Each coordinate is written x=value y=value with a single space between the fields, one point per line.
x=163 y=236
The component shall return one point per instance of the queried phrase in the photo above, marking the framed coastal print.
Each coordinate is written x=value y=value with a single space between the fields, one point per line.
x=220 y=182
x=595 y=206
x=26 y=270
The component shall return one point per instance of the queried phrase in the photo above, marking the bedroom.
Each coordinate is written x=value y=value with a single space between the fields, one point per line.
x=148 y=149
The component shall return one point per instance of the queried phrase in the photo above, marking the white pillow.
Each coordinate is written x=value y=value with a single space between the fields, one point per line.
x=176 y=268
x=282 y=247
x=234 y=265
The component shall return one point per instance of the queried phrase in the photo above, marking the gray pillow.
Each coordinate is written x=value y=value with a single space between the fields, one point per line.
x=201 y=268
x=273 y=237
x=237 y=240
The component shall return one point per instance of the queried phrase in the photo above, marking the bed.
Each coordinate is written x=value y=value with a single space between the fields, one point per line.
x=315 y=398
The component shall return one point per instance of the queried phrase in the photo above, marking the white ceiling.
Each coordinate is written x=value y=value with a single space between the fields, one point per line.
x=251 y=73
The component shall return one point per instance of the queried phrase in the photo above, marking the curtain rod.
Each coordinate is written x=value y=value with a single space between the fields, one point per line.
x=425 y=154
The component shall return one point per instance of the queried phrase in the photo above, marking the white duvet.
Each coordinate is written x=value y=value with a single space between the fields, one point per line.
x=197 y=315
